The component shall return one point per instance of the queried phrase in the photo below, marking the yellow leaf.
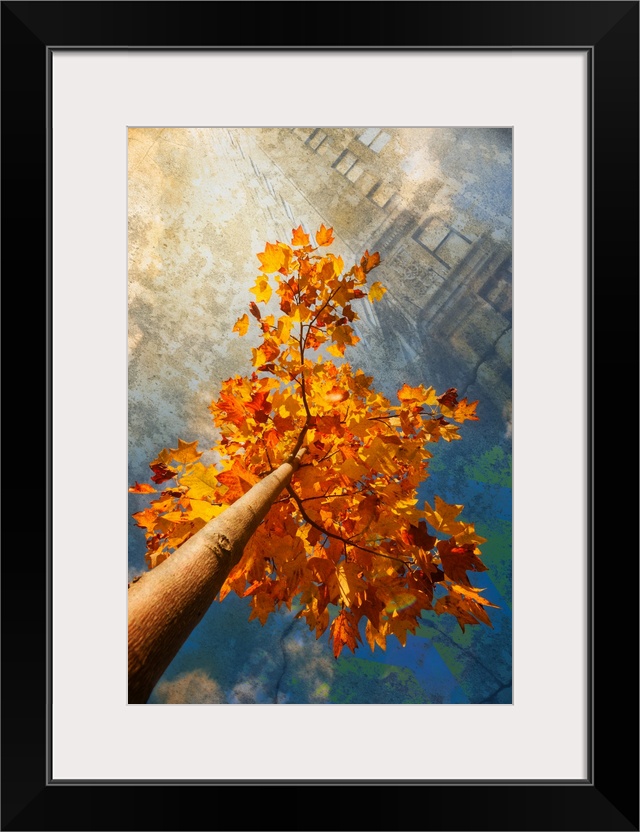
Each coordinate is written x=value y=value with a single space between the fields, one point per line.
x=466 y=533
x=418 y=395
x=262 y=290
x=376 y=292
x=259 y=356
x=375 y=636
x=336 y=349
x=351 y=469
x=443 y=516
x=284 y=328
x=164 y=457
x=241 y=325
x=186 y=452
x=338 y=265
x=290 y=406
x=201 y=482
x=301 y=313
x=350 y=585
x=204 y=510
x=472 y=592
x=162 y=505
x=176 y=517
x=380 y=456
x=272 y=258
x=449 y=432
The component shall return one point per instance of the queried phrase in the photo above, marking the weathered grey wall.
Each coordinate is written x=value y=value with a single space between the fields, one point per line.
x=202 y=202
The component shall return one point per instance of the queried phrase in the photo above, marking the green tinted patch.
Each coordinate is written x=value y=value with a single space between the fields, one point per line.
x=493 y=467
x=364 y=681
x=497 y=555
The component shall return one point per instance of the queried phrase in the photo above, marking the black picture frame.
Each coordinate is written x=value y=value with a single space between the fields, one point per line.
x=608 y=798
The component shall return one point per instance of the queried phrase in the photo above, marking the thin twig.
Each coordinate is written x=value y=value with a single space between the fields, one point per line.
x=320 y=528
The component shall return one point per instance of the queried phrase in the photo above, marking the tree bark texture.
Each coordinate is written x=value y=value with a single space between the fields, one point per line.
x=167 y=602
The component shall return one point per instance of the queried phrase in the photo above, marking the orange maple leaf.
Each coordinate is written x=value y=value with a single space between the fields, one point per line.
x=465 y=410
x=369 y=261
x=146 y=519
x=162 y=472
x=458 y=560
x=336 y=395
x=238 y=481
x=299 y=238
x=418 y=536
x=344 y=632
x=143 y=488
x=241 y=325
x=272 y=258
x=324 y=236
x=449 y=398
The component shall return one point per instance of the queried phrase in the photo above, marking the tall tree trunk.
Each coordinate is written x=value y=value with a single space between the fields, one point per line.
x=167 y=603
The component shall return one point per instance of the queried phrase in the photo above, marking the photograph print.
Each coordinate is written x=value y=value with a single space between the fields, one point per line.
x=319 y=415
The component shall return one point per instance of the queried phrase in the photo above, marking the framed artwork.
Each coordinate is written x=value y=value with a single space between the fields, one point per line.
x=491 y=170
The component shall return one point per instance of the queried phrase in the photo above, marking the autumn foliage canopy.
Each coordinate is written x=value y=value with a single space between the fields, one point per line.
x=346 y=542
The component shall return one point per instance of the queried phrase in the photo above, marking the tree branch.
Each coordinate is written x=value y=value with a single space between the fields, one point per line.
x=345 y=540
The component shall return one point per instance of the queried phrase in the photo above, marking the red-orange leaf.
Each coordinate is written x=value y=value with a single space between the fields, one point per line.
x=260 y=406
x=458 y=560
x=344 y=632
x=369 y=261
x=162 y=472
x=142 y=488
x=238 y=481
x=336 y=395
x=449 y=398
x=418 y=536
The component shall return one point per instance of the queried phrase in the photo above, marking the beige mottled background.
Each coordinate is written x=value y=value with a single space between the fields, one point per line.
x=436 y=203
